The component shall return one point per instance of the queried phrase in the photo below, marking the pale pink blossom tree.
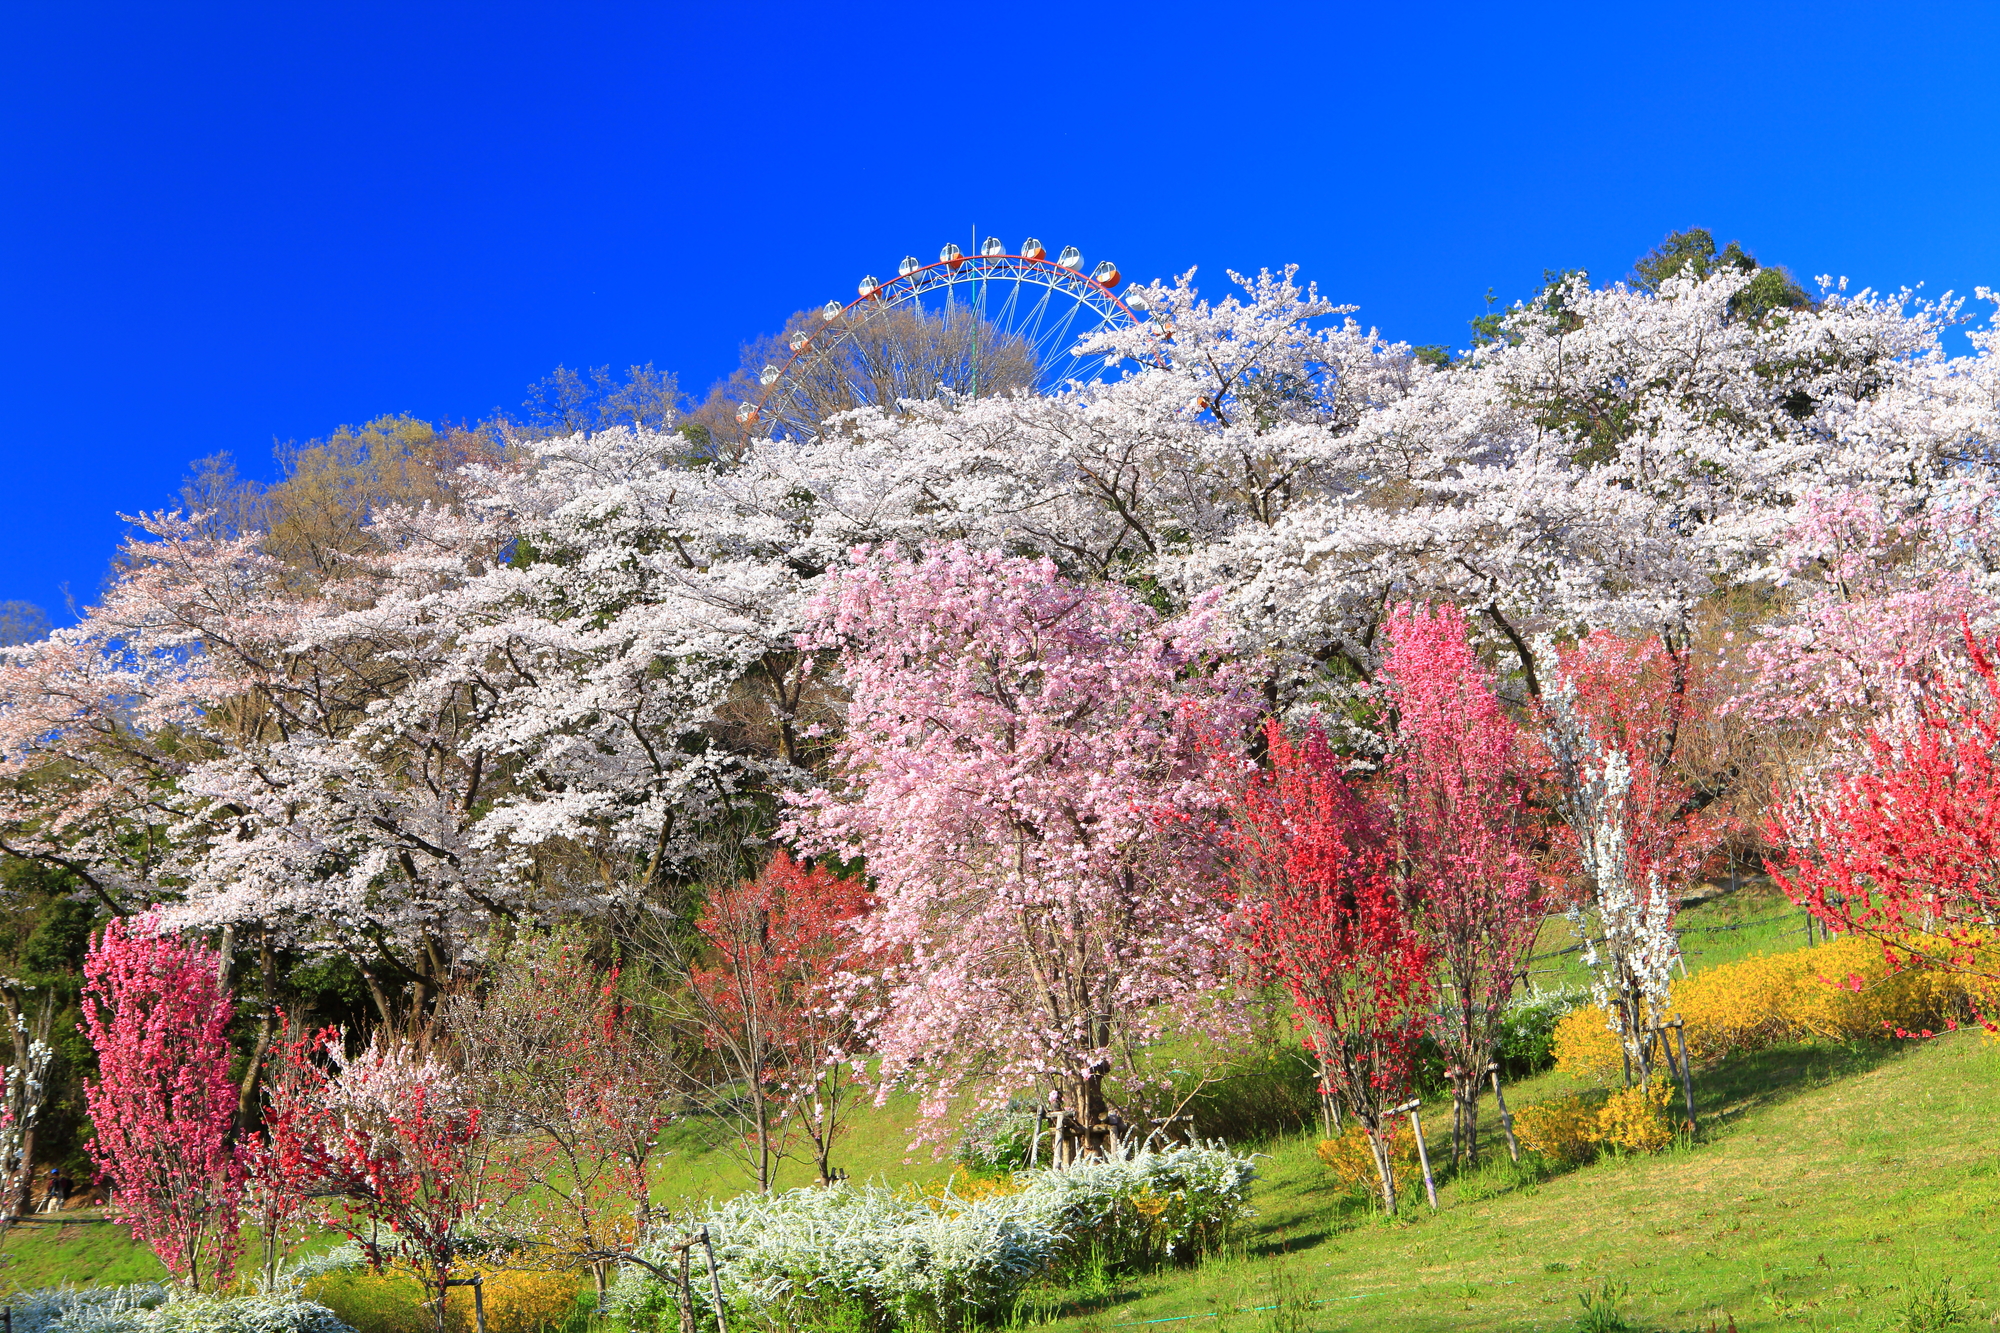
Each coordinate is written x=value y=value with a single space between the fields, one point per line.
x=1022 y=772
x=163 y=1103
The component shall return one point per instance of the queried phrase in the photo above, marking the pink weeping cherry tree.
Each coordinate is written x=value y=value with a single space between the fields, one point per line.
x=1024 y=772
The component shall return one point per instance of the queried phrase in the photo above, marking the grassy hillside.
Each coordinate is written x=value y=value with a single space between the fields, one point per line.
x=1755 y=919
x=1830 y=1188
x=87 y=1252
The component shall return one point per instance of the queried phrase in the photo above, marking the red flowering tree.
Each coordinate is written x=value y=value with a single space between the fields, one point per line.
x=382 y=1139
x=768 y=1005
x=1321 y=912
x=163 y=1104
x=1908 y=849
x=1459 y=834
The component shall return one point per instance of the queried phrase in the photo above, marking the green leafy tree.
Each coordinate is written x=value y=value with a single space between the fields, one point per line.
x=1692 y=254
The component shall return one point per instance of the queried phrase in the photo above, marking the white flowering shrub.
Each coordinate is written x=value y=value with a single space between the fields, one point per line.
x=1155 y=1205
x=152 y=1308
x=937 y=1261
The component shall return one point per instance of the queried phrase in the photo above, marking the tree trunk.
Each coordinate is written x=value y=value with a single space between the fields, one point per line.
x=1385 y=1170
x=763 y=1115
x=1089 y=1109
x=1465 y=1091
x=246 y=1092
x=25 y=1196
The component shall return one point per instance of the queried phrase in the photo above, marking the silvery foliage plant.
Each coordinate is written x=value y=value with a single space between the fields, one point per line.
x=932 y=1261
x=151 y=1307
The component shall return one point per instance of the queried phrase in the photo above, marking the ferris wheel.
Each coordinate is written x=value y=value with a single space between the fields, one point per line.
x=970 y=324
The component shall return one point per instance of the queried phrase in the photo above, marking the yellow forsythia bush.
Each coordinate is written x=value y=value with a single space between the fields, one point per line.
x=1636 y=1119
x=1843 y=990
x=1569 y=1131
x=1562 y=1130
x=1352 y=1161
x=394 y=1302
x=945 y=1196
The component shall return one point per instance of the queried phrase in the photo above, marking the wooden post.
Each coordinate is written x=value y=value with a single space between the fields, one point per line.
x=1423 y=1154
x=686 y=1288
x=1679 y=1025
x=1035 y=1139
x=714 y=1281
x=1506 y=1116
x=478 y=1285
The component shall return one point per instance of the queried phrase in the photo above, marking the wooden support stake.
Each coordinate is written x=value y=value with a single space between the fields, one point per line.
x=1423 y=1154
x=478 y=1285
x=714 y=1281
x=1679 y=1025
x=686 y=1289
x=1506 y=1116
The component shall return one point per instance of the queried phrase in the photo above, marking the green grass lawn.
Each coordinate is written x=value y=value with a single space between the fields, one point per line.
x=880 y=1146
x=1755 y=919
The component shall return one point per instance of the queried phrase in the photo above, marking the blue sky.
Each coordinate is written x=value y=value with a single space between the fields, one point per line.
x=225 y=224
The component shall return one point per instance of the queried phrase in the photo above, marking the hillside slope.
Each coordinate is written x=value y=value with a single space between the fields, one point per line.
x=1830 y=1187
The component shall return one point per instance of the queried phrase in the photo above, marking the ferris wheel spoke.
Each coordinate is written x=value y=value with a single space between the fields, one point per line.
x=1058 y=341
x=1009 y=307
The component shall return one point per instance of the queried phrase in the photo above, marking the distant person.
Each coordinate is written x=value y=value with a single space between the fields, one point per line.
x=59 y=1187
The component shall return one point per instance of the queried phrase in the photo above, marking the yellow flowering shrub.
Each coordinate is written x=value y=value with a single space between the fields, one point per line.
x=1636 y=1119
x=1843 y=990
x=961 y=1187
x=1585 y=1047
x=518 y=1302
x=1562 y=1130
x=393 y=1301
x=1352 y=1161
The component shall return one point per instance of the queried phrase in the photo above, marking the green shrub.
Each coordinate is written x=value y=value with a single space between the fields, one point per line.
x=998 y=1140
x=1528 y=1030
x=1259 y=1099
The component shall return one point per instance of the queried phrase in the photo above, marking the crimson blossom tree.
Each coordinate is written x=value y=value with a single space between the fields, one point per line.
x=1321 y=913
x=1907 y=849
x=767 y=1005
x=163 y=1104
x=1022 y=772
x=1458 y=827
